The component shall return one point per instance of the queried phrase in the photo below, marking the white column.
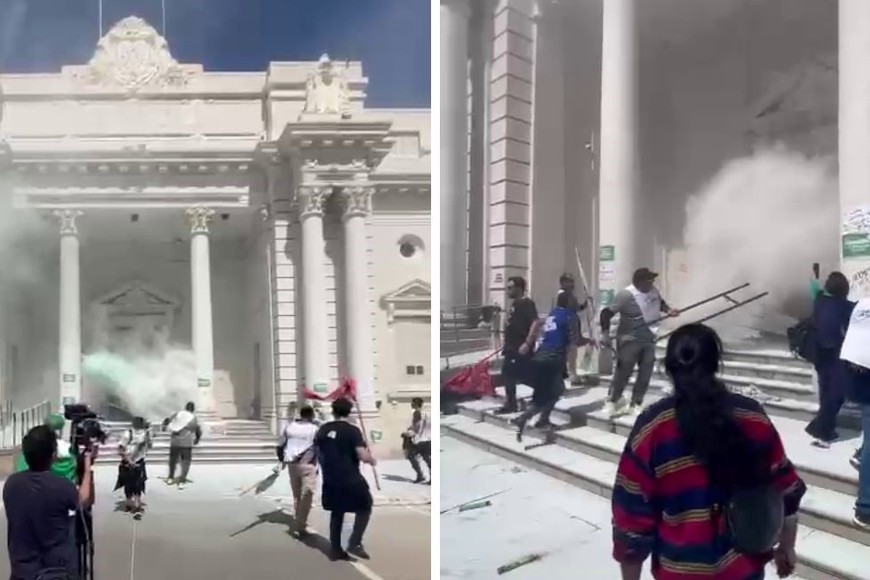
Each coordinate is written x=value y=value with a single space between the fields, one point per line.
x=454 y=151
x=201 y=327
x=360 y=365
x=854 y=143
x=70 y=354
x=315 y=340
x=618 y=173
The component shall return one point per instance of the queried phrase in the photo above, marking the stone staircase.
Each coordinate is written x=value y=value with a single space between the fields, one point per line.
x=588 y=444
x=245 y=442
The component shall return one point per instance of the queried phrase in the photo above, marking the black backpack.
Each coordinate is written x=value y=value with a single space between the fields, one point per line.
x=802 y=340
x=754 y=518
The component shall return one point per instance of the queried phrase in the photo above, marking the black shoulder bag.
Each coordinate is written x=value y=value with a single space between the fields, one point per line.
x=754 y=517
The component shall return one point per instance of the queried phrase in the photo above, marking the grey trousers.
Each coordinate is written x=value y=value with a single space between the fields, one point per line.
x=629 y=354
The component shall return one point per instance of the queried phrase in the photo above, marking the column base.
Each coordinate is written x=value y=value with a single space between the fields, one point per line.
x=210 y=422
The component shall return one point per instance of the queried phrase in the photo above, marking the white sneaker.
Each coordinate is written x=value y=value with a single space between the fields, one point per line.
x=634 y=410
x=616 y=409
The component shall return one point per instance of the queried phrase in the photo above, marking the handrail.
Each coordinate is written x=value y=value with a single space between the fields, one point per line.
x=14 y=425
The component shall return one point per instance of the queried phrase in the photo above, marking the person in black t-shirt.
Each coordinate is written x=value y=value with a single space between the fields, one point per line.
x=41 y=508
x=519 y=340
x=340 y=449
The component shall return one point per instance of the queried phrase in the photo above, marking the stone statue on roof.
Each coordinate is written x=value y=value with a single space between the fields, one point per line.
x=326 y=91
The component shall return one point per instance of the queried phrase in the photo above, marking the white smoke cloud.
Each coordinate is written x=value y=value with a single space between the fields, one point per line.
x=140 y=370
x=764 y=220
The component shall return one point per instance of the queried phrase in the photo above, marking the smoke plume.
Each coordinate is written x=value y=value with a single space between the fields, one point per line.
x=138 y=370
x=765 y=220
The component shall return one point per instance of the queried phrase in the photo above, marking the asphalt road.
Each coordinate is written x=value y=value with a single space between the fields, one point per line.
x=208 y=532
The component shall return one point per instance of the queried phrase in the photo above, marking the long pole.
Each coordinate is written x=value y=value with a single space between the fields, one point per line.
x=721 y=312
x=100 y=13
x=163 y=16
x=362 y=427
x=705 y=301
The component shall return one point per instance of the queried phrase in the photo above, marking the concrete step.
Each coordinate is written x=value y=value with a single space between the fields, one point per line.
x=826 y=468
x=203 y=459
x=821 y=554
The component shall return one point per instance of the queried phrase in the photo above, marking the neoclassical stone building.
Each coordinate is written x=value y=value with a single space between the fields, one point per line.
x=269 y=222
x=590 y=123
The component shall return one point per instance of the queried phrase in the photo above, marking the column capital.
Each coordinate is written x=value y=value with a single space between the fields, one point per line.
x=357 y=200
x=67 y=219
x=198 y=218
x=311 y=199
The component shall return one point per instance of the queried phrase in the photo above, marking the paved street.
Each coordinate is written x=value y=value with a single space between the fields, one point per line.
x=207 y=531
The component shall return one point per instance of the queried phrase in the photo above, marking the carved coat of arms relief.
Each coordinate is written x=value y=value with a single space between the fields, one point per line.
x=132 y=55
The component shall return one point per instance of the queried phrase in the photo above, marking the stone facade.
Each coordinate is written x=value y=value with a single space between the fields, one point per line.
x=249 y=215
x=590 y=124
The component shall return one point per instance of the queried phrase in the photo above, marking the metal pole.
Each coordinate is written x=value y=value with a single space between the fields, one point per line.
x=100 y=12
x=720 y=313
x=163 y=13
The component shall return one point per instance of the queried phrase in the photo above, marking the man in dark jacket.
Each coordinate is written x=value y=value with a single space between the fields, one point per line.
x=831 y=311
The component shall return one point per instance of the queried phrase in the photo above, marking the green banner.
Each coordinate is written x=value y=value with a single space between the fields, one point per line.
x=320 y=388
x=607 y=253
x=856 y=245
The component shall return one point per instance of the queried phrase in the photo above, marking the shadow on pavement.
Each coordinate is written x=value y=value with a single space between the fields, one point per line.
x=281 y=518
x=399 y=478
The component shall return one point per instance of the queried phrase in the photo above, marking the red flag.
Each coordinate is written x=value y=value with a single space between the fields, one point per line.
x=345 y=390
x=474 y=380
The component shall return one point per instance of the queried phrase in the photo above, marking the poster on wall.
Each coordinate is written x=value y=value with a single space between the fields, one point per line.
x=856 y=250
x=606 y=275
x=856 y=233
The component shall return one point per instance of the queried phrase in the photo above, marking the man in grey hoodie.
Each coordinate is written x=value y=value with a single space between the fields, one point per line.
x=184 y=435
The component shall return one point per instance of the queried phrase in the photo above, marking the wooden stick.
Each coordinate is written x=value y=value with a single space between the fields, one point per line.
x=362 y=427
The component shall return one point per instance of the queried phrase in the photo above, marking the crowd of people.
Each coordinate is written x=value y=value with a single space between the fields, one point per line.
x=53 y=483
x=704 y=485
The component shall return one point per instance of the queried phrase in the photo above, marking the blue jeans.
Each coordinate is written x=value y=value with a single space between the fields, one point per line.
x=862 y=506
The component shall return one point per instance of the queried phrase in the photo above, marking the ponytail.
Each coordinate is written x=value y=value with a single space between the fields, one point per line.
x=704 y=411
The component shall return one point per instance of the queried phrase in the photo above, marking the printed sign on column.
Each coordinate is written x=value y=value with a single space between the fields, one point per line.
x=855 y=249
x=606 y=275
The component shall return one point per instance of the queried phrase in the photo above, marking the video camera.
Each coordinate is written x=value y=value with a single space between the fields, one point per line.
x=85 y=427
x=85 y=430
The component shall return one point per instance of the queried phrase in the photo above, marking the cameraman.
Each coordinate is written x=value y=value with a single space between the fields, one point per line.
x=40 y=511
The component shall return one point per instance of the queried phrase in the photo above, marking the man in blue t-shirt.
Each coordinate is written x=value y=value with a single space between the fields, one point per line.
x=41 y=508
x=561 y=330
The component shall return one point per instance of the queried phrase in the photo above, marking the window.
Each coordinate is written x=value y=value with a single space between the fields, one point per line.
x=407 y=250
x=409 y=370
x=410 y=246
x=419 y=370
x=412 y=370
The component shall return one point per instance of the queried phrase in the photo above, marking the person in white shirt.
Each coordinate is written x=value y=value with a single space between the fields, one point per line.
x=418 y=441
x=297 y=442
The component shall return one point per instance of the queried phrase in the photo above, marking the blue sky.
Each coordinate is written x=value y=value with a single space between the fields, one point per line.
x=390 y=37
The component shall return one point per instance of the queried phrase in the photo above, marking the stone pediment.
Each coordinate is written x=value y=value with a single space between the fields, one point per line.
x=413 y=291
x=132 y=56
x=136 y=296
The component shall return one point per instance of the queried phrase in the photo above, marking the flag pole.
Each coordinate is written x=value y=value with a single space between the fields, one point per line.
x=100 y=12
x=362 y=427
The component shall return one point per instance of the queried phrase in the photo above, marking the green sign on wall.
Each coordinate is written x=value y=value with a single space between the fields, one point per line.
x=856 y=245
x=605 y=297
x=607 y=253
